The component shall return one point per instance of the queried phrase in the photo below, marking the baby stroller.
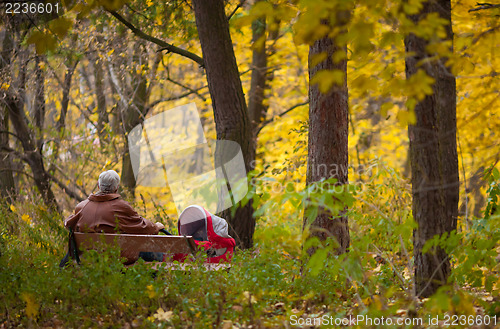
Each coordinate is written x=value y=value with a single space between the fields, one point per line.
x=210 y=233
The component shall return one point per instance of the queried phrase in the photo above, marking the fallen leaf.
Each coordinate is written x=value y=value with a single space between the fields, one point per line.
x=161 y=315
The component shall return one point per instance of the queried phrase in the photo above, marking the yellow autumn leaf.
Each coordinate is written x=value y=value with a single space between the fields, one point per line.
x=43 y=42
x=159 y=20
x=31 y=305
x=108 y=162
x=13 y=208
x=61 y=26
x=26 y=218
x=112 y=4
x=317 y=58
x=325 y=79
x=150 y=291
x=247 y=296
x=262 y=9
x=161 y=315
x=5 y=86
x=259 y=43
x=94 y=117
x=384 y=109
x=407 y=117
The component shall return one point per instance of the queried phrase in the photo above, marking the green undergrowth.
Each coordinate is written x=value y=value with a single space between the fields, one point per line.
x=272 y=285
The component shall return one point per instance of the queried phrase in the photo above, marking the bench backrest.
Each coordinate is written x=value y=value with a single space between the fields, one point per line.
x=131 y=244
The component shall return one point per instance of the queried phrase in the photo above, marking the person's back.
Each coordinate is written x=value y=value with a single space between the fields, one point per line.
x=107 y=212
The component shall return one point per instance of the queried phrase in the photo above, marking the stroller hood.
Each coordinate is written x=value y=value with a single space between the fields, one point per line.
x=209 y=231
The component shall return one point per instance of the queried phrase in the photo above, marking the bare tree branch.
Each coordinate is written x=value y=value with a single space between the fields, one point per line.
x=482 y=34
x=265 y=123
x=483 y=6
x=71 y=193
x=242 y=2
x=173 y=98
x=191 y=91
x=81 y=189
x=11 y=150
x=17 y=171
x=9 y=133
x=159 y=42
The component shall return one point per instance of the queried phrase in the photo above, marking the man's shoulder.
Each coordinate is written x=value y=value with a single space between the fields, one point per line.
x=82 y=204
x=104 y=197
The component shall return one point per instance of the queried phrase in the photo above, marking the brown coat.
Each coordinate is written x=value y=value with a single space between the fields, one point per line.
x=108 y=213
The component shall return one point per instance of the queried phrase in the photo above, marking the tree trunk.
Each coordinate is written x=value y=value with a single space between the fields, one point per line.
x=100 y=89
x=256 y=107
x=103 y=121
x=32 y=155
x=7 y=184
x=134 y=114
x=327 y=144
x=434 y=161
x=39 y=109
x=230 y=111
x=60 y=125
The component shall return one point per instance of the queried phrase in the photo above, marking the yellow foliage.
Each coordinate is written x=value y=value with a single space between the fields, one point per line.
x=247 y=297
x=26 y=218
x=407 y=117
x=61 y=26
x=326 y=79
x=151 y=291
x=32 y=306
x=161 y=315
x=43 y=41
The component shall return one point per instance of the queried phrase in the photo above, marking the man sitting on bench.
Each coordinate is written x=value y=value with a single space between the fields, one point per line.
x=106 y=212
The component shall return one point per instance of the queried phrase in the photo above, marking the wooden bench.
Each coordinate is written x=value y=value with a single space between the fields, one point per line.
x=131 y=245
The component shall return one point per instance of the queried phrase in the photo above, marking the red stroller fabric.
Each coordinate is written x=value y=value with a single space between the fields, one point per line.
x=210 y=233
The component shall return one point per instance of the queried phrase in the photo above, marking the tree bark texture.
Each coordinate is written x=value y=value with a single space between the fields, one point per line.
x=32 y=153
x=39 y=110
x=327 y=143
x=433 y=157
x=7 y=183
x=256 y=108
x=101 y=101
x=230 y=111
x=134 y=114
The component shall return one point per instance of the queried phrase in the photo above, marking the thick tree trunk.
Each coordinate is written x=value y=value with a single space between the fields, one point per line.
x=7 y=184
x=327 y=144
x=434 y=162
x=230 y=111
x=32 y=155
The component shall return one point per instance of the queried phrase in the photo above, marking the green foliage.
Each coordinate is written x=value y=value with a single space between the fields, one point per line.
x=274 y=281
x=493 y=192
x=266 y=286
